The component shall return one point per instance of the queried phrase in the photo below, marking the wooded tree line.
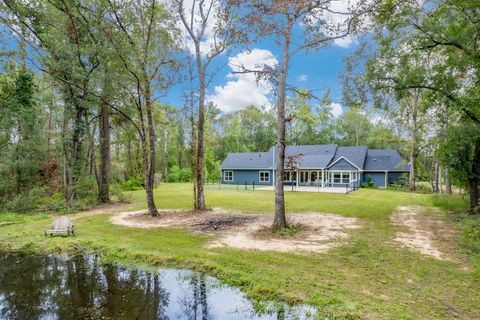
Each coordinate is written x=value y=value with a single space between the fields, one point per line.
x=82 y=114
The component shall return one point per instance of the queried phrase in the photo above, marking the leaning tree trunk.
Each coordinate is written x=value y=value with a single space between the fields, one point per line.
x=149 y=155
x=280 y=221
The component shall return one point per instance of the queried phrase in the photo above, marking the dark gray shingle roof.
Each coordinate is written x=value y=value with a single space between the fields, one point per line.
x=356 y=155
x=315 y=161
x=387 y=159
x=312 y=156
x=320 y=156
x=248 y=160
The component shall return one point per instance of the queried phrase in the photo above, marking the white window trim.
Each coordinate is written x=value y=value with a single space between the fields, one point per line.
x=225 y=175
x=260 y=175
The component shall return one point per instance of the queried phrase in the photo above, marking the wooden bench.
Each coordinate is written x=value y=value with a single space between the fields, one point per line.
x=61 y=226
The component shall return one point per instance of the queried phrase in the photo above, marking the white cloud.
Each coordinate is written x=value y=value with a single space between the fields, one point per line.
x=302 y=78
x=336 y=109
x=243 y=90
x=345 y=42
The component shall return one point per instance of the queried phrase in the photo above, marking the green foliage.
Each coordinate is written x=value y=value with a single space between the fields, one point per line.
x=457 y=151
x=369 y=184
x=470 y=238
x=449 y=203
x=21 y=137
x=36 y=200
x=353 y=128
x=133 y=183
x=179 y=175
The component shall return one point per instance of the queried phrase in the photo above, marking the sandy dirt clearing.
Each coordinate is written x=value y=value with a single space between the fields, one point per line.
x=237 y=230
x=425 y=233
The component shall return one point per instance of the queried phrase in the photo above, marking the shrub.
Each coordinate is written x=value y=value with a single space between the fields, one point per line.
x=132 y=184
x=470 y=238
x=369 y=184
x=20 y=203
x=37 y=199
x=117 y=192
x=179 y=175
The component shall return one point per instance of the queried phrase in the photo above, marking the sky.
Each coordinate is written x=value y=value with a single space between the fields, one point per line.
x=316 y=70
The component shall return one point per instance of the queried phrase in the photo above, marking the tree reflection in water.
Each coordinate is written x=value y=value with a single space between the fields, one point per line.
x=80 y=287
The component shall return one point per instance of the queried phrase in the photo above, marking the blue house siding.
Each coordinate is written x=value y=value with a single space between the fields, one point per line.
x=342 y=165
x=247 y=176
x=394 y=177
x=378 y=178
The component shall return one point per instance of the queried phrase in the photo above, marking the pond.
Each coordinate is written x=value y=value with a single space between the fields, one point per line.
x=81 y=287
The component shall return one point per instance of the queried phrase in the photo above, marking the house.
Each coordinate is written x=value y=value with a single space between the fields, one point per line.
x=316 y=165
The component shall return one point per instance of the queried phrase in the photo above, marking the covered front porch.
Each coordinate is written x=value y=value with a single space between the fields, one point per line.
x=322 y=178
x=342 y=190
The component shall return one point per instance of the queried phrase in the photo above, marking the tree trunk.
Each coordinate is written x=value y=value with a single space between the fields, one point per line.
x=200 y=136
x=73 y=162
x=104 y=174
x=448 y=182
x=432 y=177
x=193 y=160
x=412 y=176
x=473 y=182
x=414 y=142
x=436 y=180
x=280 y=220
x=165 y=155
x=149 y=156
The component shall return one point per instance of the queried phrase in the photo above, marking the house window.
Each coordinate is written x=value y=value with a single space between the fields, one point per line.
x=337 y=177
x=228 y=175
x=346 y=177
x=264 y=176
x=286 y=176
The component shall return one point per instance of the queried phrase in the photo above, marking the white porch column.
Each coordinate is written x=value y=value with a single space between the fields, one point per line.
x=298 y=173
x=323 y=178
x=273 y=177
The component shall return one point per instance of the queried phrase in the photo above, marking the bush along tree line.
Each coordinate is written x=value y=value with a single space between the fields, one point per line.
x=82 y=116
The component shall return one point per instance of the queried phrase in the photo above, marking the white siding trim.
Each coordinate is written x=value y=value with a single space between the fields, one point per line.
x=342 y=157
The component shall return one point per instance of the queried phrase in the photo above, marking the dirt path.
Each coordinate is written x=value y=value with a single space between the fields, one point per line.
x=425 y=233
x=103 y=209
x=237 y=230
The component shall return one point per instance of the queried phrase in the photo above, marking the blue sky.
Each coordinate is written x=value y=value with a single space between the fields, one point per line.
x=315 y=70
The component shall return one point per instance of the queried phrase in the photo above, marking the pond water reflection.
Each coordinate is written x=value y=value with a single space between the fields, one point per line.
x=80 y=287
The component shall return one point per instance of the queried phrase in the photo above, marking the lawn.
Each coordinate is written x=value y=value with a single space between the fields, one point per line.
x=371 y=277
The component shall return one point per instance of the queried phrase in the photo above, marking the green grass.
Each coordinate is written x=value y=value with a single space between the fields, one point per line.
x=368 y=278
